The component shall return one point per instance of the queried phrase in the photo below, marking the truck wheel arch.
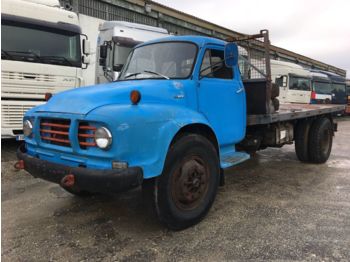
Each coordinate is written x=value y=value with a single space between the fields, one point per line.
x=200 y=129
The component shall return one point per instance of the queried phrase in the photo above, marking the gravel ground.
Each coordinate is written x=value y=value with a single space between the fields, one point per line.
x=271 y=208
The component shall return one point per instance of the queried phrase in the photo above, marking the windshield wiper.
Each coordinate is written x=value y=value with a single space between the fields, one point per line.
x=58 y=58
x=133 y=74
x=155 y=73
x=22 y=54
x=146 y=71
x=5 y=54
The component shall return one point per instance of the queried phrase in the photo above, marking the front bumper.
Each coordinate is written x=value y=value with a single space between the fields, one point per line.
x=91 y=180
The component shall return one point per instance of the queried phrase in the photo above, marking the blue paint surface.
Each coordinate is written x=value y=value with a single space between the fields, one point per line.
x=142 y=133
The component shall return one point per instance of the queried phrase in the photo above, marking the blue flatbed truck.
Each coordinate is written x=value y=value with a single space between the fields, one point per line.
x=178 y=115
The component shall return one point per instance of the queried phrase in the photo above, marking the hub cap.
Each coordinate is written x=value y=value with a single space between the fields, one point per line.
x=190 y=183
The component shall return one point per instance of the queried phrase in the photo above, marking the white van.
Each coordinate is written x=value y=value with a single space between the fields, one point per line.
x=294 y=82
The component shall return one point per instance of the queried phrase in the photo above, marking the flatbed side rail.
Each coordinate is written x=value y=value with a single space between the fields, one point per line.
x=289 y=112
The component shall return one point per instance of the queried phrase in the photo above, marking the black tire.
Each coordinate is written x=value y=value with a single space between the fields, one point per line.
x=275 y=90
x=185 y=191
x=320 y=140
x=301 y=140
x=77 y=192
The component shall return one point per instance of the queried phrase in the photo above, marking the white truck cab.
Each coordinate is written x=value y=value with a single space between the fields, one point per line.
x=294 y=82
x=321 y=88
x=114 y=43
x=41 y=53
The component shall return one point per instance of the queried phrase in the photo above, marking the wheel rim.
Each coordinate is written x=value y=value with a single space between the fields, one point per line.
x=325 y=143
x=190 y=183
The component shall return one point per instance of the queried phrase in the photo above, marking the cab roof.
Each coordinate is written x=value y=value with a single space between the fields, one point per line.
x=200 y=41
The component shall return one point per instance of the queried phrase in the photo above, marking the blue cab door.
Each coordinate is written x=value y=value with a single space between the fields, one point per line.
x=221 y=96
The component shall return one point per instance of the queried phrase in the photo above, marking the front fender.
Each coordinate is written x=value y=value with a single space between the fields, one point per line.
x=143 y=133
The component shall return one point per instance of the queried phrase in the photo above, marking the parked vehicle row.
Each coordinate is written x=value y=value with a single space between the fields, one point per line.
x=301 y=85
x=44 y=51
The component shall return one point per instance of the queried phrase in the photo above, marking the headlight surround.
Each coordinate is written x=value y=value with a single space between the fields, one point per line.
x=27 y=128
x=103 y=137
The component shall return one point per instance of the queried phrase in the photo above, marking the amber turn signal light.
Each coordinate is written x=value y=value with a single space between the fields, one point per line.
x=135 y=97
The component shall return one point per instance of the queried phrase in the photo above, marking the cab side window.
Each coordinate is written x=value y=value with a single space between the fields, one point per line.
x=213 y=65
x=299 y=83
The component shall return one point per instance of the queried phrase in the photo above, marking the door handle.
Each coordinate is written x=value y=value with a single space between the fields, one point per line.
x=240 y=90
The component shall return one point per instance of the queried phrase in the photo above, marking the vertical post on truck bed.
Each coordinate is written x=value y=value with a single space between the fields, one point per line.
x=256 y=49
x=265 y=34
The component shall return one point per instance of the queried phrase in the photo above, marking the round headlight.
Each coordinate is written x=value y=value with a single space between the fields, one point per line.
x=103 y=137
x=27 y=128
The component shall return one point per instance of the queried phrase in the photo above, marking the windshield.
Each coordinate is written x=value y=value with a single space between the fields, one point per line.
x=160 y=60
x=299 y=83
x=24 y=42
x=120 y=55
x=338 y=88
x=322 y=88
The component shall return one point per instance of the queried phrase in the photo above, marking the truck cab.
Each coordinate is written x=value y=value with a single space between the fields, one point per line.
x=347 y=110
x=114 y=43
x=294 y=82
x=321 y=88
x=42 y=52
x=338 y=87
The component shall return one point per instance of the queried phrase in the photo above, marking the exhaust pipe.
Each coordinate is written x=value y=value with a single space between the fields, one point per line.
x=68 y=181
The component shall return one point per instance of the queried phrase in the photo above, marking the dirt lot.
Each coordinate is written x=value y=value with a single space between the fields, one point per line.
x=272 y=208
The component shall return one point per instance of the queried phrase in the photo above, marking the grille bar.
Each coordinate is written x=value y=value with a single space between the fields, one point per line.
x=55 y=131
x=55 y=125
x=56 y=139
x=86 y=134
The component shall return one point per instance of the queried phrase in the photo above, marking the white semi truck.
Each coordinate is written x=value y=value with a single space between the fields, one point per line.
x=42 y=52
x=114 y=43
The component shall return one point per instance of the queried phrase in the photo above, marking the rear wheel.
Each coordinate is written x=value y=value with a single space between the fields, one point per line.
x=320 y=140
x=188 y=185
x=302 y=140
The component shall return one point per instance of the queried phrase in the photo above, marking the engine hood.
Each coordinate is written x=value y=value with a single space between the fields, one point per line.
x=85 y=99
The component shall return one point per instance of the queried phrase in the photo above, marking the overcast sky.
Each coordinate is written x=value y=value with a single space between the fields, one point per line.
x=318 y=29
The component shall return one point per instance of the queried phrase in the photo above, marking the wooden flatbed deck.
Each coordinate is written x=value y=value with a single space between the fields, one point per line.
x=293 y=111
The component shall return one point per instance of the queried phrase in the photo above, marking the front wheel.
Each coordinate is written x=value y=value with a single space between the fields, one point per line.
x=185 y=191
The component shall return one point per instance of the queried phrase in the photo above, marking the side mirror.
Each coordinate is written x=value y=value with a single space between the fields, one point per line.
x=86 y=60
x=118 y=67
x=231 y=54
x=103 y=51
x=281 y=81
x=86 y=47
